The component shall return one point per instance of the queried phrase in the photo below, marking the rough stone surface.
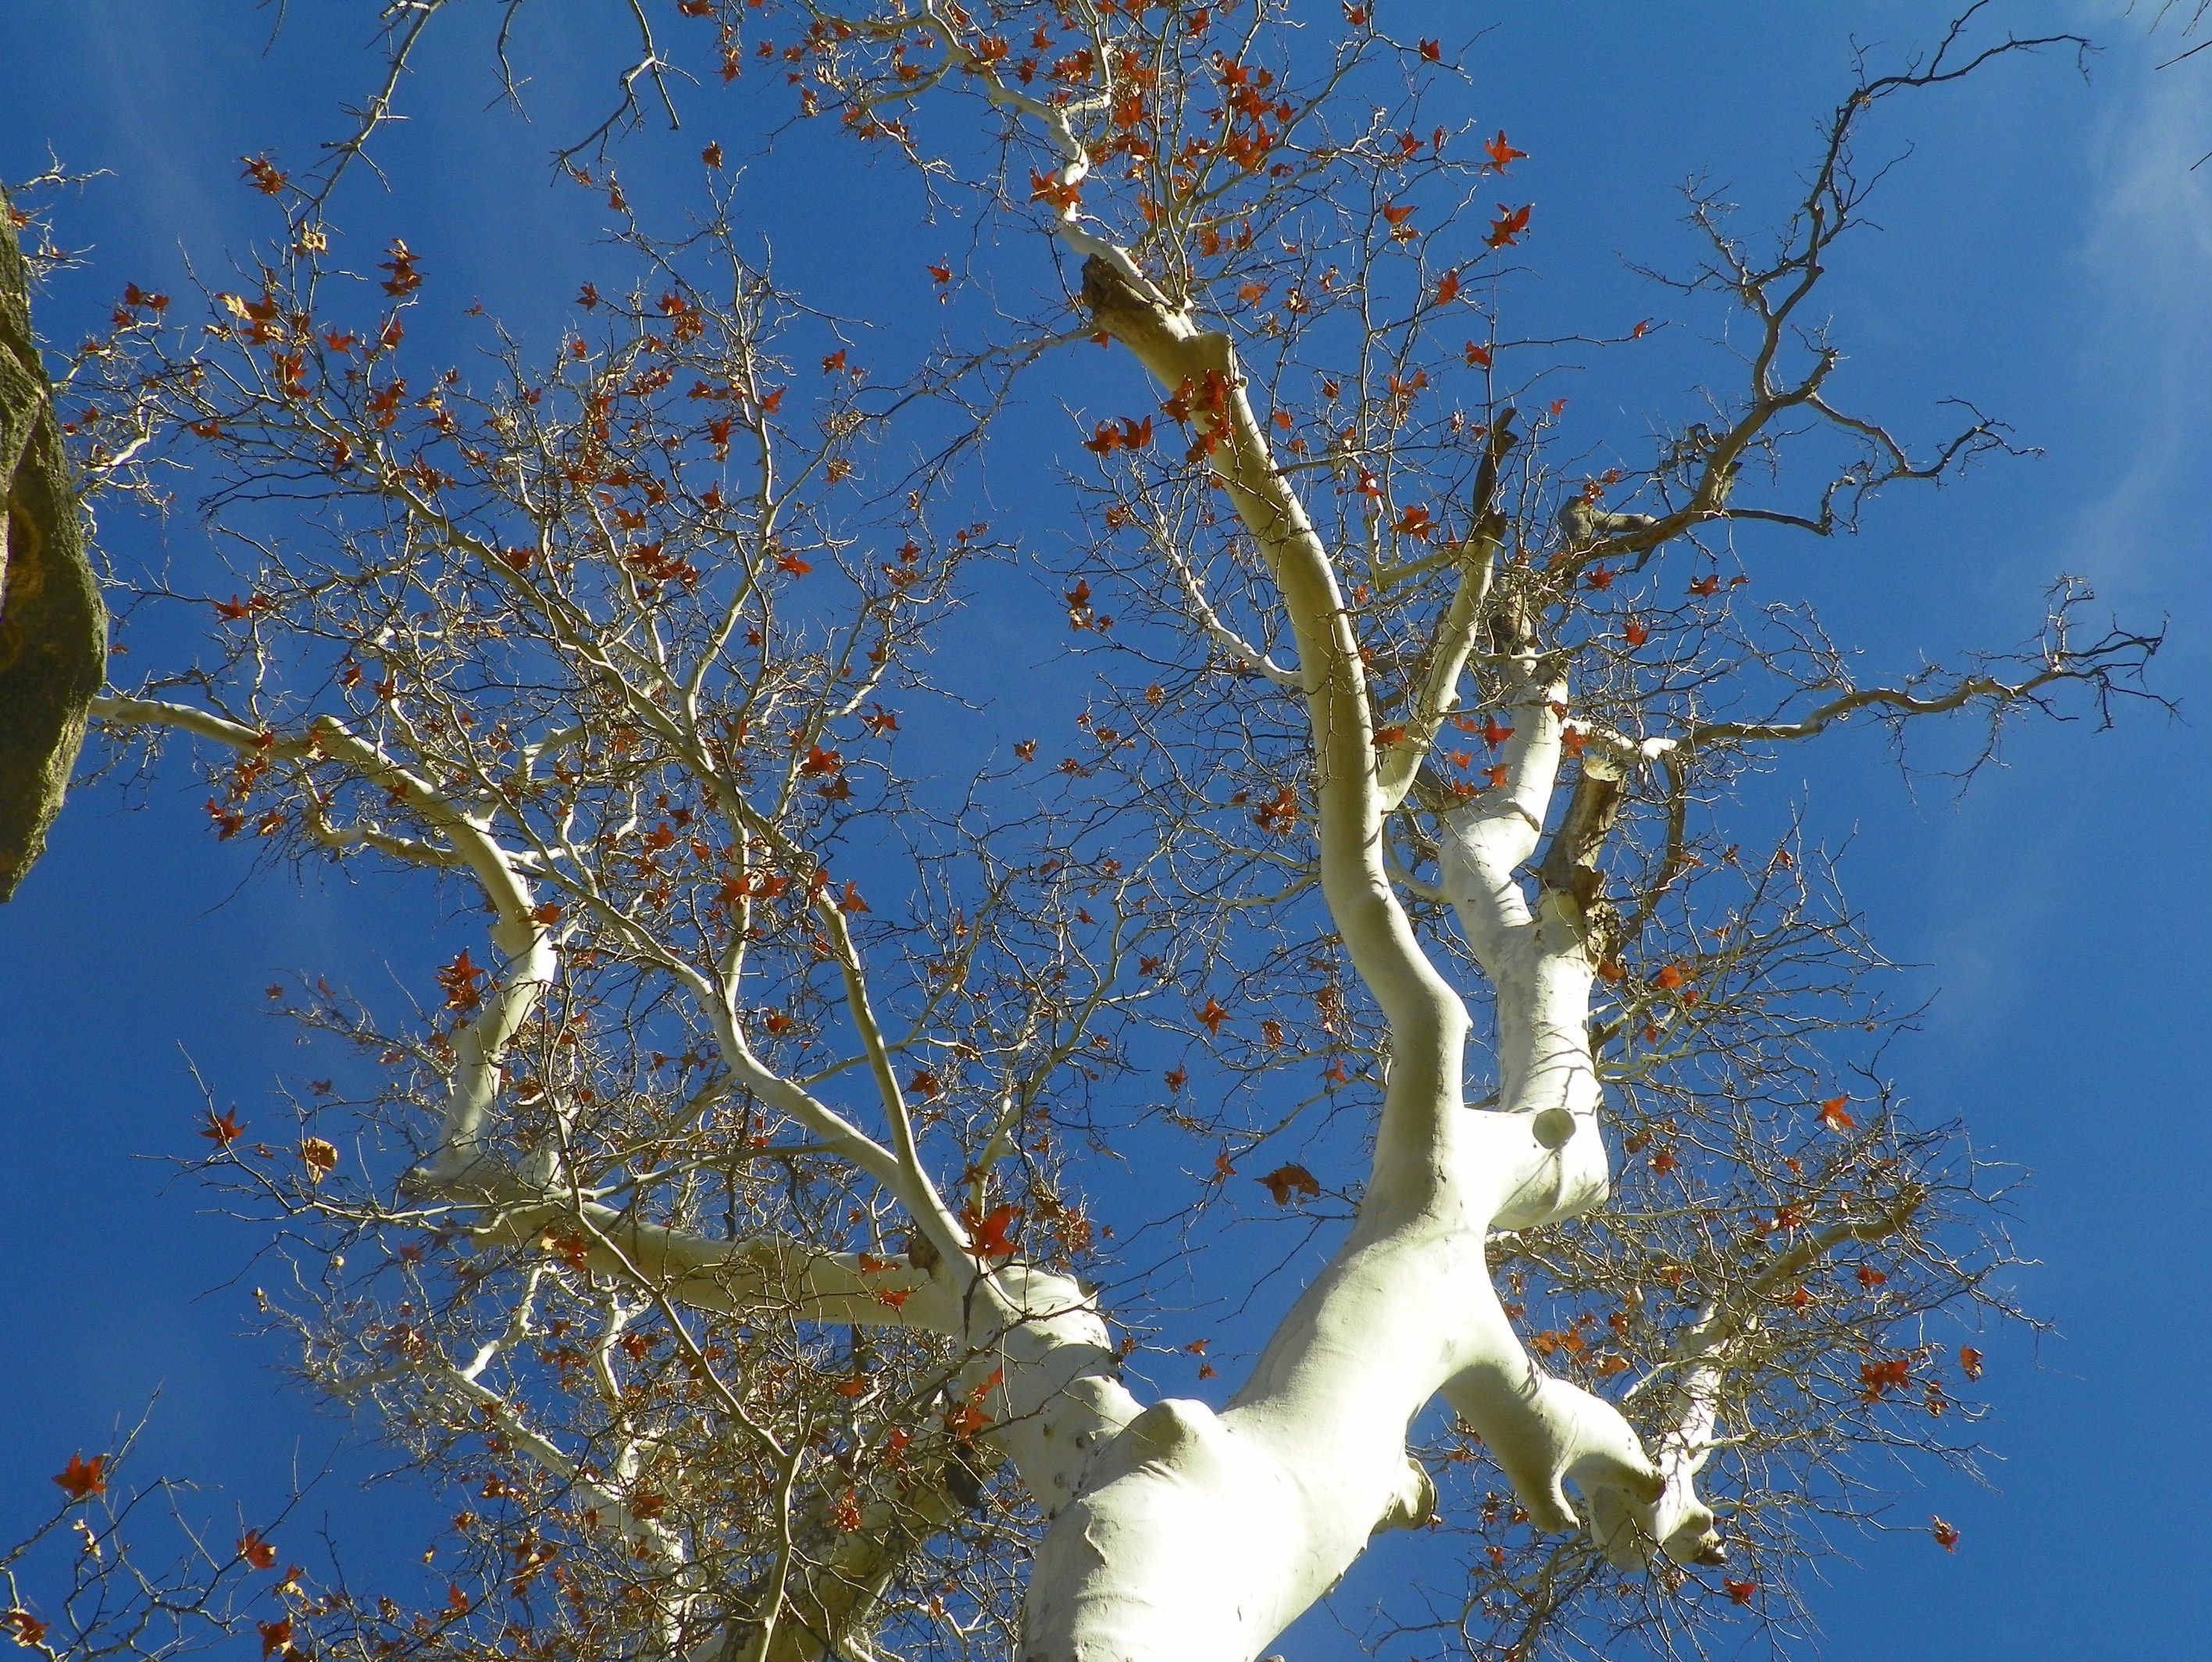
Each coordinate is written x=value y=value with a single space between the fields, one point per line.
x=54 y=629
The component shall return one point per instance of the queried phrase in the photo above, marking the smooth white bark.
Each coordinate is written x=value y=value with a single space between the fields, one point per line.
x=1202 y=1535
x=1177 y=1531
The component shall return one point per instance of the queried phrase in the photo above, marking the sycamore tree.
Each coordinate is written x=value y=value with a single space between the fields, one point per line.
x=757 y=1223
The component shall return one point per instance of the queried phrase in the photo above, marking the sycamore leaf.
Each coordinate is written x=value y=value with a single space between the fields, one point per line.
x=80 y=1479
x=990 y=1237
x=1286 y=1182
x=25 y=1628
x=1510 y=226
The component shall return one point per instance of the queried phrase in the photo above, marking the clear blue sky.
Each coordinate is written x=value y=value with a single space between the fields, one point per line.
x=2046 y=250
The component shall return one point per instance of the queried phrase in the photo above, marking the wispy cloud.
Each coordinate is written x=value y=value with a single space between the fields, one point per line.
x=2147 y=253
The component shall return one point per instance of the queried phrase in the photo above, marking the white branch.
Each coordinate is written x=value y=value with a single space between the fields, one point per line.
x=1197 y=1535
x=1240 y=651
x=526 y=945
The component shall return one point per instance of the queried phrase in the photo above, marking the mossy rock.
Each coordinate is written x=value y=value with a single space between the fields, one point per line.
x=54 y=629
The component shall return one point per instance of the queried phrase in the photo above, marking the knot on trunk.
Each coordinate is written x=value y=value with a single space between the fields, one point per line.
x=1583 y=523
x=1165 y=340
x=1412 y=1503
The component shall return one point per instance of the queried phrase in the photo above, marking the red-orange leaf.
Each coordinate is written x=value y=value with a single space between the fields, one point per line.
x=1510 y=225
x=991 y=1237
x=1502 y=154
x=264 y=175
x=404 y=279
x=1050 y=187
x=25 y=1628
x=1286 y=1182
x=1877 y=1377
x=460 y=980
x=80 y=1479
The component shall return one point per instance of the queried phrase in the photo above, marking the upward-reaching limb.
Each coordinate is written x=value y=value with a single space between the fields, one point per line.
x=1202 y=1535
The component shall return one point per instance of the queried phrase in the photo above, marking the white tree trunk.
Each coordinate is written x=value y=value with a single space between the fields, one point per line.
x=1202 y=1535
x=1176 y=1531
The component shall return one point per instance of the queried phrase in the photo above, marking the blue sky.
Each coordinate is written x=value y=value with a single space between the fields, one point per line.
x=2046 y=250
